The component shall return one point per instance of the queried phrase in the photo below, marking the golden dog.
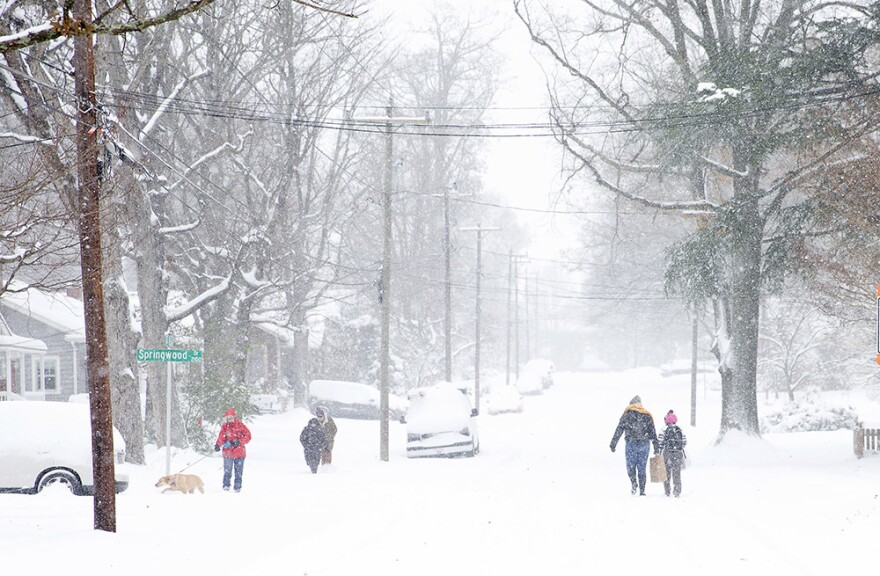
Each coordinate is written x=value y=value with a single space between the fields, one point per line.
x=186 y=483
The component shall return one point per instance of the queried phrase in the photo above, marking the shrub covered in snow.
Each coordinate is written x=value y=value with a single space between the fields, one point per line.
x=809 y=415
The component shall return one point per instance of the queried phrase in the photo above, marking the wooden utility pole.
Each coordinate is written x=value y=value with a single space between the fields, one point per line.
x=479 y=230
x=694 y=338
x=389 y=122
x=447 y=296
x=509 y=293
x=516 y=259
x=98 y=368
x=385 y=346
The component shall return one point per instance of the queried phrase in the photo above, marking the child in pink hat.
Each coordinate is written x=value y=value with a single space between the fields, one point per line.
x=672 y=443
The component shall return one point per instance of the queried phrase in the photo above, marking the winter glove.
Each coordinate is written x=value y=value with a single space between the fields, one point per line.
x=613 y=448
x=234 y=443
x=216 y=447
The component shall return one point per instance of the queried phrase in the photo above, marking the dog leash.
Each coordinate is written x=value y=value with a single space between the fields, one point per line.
x=194 y=463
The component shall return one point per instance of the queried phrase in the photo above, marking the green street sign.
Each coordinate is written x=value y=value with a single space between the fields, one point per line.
x=157 y=355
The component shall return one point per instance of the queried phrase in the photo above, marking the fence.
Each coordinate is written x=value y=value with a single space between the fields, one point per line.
x=866 y=439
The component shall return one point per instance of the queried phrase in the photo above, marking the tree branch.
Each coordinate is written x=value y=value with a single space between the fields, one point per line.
x=66 y=26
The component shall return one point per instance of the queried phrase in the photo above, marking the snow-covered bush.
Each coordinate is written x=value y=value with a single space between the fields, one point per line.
x=809 y=415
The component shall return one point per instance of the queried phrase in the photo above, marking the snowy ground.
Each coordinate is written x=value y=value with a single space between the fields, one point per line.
x=545 y=496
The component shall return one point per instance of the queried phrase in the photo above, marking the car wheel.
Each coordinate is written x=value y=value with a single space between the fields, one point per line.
x=60 y=478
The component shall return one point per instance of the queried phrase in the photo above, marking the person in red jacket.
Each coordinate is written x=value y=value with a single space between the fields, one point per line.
x=232 y=438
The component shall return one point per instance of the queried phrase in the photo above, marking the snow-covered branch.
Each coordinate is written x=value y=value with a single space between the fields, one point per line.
x=62 y=25
x=177 y=313
x=163 y=106
x=589 y=164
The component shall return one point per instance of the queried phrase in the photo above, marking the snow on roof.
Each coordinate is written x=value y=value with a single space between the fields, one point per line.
x=284 y=334
x=21 y=344
x=59 y=311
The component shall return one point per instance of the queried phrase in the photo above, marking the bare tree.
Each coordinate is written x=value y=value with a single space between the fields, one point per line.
x=706 y=107
x=453 y=76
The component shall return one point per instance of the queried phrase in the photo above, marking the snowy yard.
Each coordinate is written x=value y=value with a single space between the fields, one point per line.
x=545 y=496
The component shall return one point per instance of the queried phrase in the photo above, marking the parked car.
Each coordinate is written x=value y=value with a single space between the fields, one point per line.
x=269 y=403
x=352 y=400
x=503 y=400
x=50 y=443
x=535 y=377
x=441 y=422
x=683 y=366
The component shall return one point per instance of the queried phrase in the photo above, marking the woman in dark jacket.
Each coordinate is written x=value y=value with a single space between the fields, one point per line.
x=638 y=424
x=314 y=442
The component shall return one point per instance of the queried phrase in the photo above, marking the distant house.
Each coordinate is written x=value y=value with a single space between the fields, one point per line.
x=42 y=345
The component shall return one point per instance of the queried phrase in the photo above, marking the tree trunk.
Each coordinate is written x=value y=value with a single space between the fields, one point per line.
x=300 y=362
x=152 y=291
x=122 y=342
x=739 y=409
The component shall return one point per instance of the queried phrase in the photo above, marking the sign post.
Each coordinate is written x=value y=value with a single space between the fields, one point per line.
x=878 y=324
x=168 y=356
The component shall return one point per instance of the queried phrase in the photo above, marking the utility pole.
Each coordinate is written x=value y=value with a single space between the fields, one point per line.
x=509 y=288
x=447 y=290
x=389 y=120
x=513 y=281
x=479 y=230
x=537 y=325
x=528 y=317
x=447 y=257
x=91 y=262
x=517 y=258
x=694 y=337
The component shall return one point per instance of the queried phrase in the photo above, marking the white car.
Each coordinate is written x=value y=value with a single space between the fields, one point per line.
x=503 y=400
x=441 y=422
x=346 y=399
x=535 y=377
x=50 y=443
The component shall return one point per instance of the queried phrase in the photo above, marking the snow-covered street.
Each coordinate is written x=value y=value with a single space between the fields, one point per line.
x=544 y=496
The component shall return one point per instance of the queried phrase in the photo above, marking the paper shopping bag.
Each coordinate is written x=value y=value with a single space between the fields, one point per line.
x=658 y=468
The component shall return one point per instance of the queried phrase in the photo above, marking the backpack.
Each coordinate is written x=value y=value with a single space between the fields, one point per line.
x=672 y=440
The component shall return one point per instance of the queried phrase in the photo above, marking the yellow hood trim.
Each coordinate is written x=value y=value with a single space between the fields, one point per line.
x=637 y=407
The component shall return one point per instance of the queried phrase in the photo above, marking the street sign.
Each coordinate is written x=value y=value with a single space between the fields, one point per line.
x=158 y=355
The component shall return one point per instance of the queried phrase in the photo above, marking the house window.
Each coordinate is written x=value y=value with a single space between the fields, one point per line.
x=46 y=374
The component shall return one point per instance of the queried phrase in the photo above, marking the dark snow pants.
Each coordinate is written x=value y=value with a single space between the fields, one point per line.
x=673 y=472
x=313 y=458
x=637 y=463
x=231 y=465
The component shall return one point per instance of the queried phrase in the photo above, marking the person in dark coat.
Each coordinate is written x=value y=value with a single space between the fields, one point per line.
x=329 y=425
x=232 y=438
x=638 y=425
x=672 y=443
x=314 y=442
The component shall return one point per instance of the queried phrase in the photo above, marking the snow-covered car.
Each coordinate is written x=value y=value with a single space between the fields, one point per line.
x=441 y=422
x=683 y=366
x=504 y=400
x=346 y=399
x=48 y=444
x=268 y=403
x=535 y=377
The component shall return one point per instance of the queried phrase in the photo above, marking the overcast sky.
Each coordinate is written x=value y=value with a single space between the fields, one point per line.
x=520 y=171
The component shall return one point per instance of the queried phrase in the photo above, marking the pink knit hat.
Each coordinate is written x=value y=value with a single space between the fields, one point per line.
x=671 y=418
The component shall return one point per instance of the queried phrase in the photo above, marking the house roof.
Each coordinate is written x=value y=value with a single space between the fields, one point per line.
x=58 y=311
x=10 y=341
